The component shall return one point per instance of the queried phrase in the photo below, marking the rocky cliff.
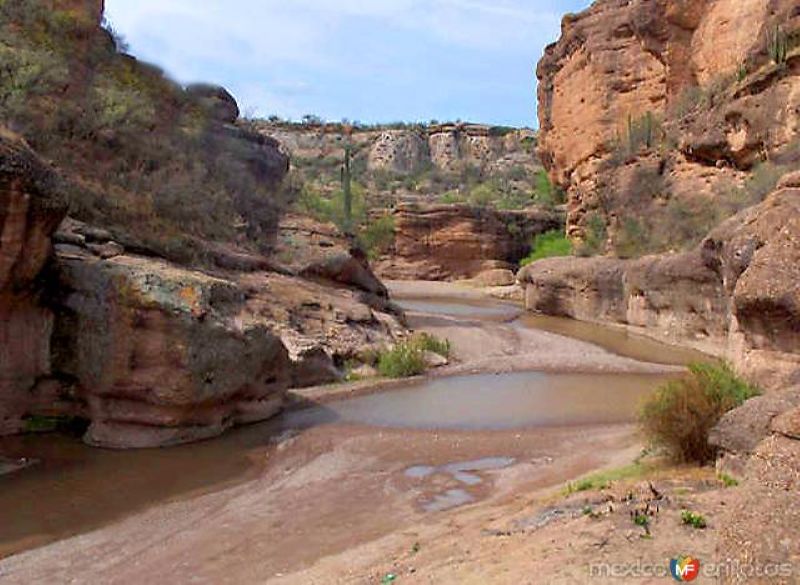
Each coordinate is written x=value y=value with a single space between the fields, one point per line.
x=656 y=111
x=736 y=295
x=153 y=353
x=420 y=162
x=661 y=119
x=163 y=309
x=412 y=149
x=448 y=242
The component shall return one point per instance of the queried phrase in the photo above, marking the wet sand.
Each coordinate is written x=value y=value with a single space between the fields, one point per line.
x=275 y=501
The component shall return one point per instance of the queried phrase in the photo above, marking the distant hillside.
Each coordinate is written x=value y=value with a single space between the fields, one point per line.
x=479 y=164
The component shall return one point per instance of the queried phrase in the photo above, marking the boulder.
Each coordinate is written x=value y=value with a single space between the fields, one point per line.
x=162 y=354
x=33 y=201
x=346 y=269
x=497 y=277
x=217 y=99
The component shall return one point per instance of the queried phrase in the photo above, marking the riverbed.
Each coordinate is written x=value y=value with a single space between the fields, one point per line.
x=522 y=408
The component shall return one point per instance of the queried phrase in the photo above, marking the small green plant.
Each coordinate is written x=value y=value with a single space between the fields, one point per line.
x=402 y=361
x=548 y=245
x=778 y=45
x=407 y=358
x=679 y=417
x=603 y=479
x=378 y=236
x=428 y=342
x=742 y=71
x=728 y=481
x=696 y=521
x=642 y=520
x=415 y=548
x=595 y=236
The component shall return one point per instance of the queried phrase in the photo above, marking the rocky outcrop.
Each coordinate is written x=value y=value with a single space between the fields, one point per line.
x=687 y=88
x=152 y=353
x=32 y=203
x=444 y=242
x=155 y=354
x=161 y=354
x=449 y=147
x=738 y=294
x=411 y=150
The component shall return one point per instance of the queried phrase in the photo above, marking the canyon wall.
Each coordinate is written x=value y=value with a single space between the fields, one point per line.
x=648 y=103
x=653 y=103
x=412 y=149
x=450 y=242
x=736 y=295
x=146 y=295
x=154 y=353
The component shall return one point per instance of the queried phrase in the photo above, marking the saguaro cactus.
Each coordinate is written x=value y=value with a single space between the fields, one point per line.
x=347 y=189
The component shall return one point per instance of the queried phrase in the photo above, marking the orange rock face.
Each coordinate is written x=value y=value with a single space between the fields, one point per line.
x=700 y=69
x=441 y=242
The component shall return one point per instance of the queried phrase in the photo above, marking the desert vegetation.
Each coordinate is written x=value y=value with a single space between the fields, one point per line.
x=680 y=416
x=407 y=358
x=150 y=160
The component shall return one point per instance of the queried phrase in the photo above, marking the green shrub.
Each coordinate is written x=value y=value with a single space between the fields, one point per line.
x=548 y=245
x=483 y=195
x=693 y=519
x=407 y=358
x=402 y=361
x=377 y=237
x=679 y=417
x=428 y=342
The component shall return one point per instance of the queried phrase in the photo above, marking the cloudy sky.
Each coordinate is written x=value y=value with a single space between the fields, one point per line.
x=366 y=60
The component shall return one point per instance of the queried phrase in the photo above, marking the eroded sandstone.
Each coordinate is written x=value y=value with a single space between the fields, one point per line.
x=447 y=242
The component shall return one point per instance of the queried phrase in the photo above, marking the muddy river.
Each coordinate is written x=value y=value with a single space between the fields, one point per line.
x=71 y=489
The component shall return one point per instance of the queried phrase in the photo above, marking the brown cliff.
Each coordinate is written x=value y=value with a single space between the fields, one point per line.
x=32 y=204
x=654 y=103
x=736 y=295
x=163 y=313
x=447 y=242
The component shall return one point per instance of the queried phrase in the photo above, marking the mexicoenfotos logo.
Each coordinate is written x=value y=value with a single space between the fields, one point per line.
x=685 y=569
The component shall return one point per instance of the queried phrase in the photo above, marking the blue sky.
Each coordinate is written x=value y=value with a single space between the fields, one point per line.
x=366 y=60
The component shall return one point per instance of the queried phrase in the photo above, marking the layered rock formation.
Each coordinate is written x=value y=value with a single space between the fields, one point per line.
x=163 y=316
x=406 y=151
x=737 y=294
x=447 y=242
x=686 y=95
x=152 y=353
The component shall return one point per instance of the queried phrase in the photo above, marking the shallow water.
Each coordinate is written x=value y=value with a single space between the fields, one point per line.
x=494 y=310
x=617 y=341
x=499 y=402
